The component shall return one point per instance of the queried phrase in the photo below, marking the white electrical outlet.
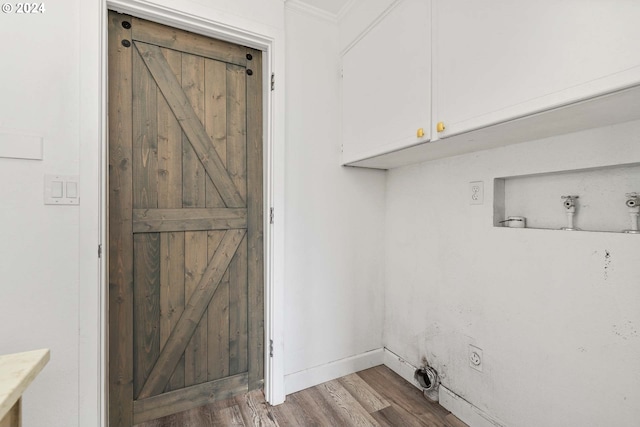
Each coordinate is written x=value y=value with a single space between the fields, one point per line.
x=476 y=192
x=475 y=357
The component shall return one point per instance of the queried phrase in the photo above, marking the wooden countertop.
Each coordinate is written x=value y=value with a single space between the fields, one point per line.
x=17 y=371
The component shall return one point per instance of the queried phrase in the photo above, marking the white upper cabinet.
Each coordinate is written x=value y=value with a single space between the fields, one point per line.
x=386 y=85
x=497 y=60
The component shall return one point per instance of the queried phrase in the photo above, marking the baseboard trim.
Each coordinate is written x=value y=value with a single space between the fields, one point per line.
x=401 y=367
x=330 y=371
x=465 y=411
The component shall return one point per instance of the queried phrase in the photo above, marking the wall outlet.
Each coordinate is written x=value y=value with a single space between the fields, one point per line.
x=476 y=193
x=475 y=357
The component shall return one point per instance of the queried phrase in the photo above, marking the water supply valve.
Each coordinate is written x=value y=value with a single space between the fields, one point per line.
x=569 y=203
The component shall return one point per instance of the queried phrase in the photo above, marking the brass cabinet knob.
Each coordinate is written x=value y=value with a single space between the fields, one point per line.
x=440 y=127
x=420 y=133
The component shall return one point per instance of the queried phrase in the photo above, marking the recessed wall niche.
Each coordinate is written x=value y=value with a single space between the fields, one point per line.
x=601 y=205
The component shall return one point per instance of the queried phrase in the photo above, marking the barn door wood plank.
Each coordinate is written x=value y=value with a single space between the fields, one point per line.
x=255 y=221
x=215 y=123
x=191 y=124
x=195 y=266
x=189 y=397
x=218 y=320
x=192 y=219
x=236 y=107
x=120 y=234
x=237 y=127
x=194 y=196
x=192 y=314
x=170 y=197
x=172 y=296
x=146 y=247
x=238 y=321
x=215 y=119
x=180 y=40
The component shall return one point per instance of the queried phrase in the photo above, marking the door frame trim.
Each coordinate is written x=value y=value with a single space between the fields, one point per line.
x=93 y=292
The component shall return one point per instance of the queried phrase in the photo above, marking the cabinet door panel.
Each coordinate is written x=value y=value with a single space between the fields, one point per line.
x=497 y=60
x=387 y=84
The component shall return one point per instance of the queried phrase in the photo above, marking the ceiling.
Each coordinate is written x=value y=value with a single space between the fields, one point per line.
x=331 y=6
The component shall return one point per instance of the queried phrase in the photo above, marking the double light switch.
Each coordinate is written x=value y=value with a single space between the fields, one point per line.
x=61 y=190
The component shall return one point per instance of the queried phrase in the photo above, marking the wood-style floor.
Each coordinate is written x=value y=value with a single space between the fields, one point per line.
x=374 y=397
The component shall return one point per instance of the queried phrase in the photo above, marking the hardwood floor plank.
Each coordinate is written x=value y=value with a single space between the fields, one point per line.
x=196 y=417
x=453 y=421
x=230 y=416
x=356 y=415
x=302 y=413
x=326 y=410
x=284 y=414
x=397 y=391
x=368 y=397
x=391 y=416
x=422 y=419
x=255 y=410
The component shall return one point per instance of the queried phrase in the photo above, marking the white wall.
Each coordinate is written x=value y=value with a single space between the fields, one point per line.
x=556 y=317
x=39 y=244
x=334 y=215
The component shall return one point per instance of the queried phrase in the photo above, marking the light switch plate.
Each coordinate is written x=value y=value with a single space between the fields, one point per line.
x=476 y=192
x=61 y=190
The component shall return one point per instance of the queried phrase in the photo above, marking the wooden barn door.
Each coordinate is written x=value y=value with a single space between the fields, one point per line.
x=185 y=220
